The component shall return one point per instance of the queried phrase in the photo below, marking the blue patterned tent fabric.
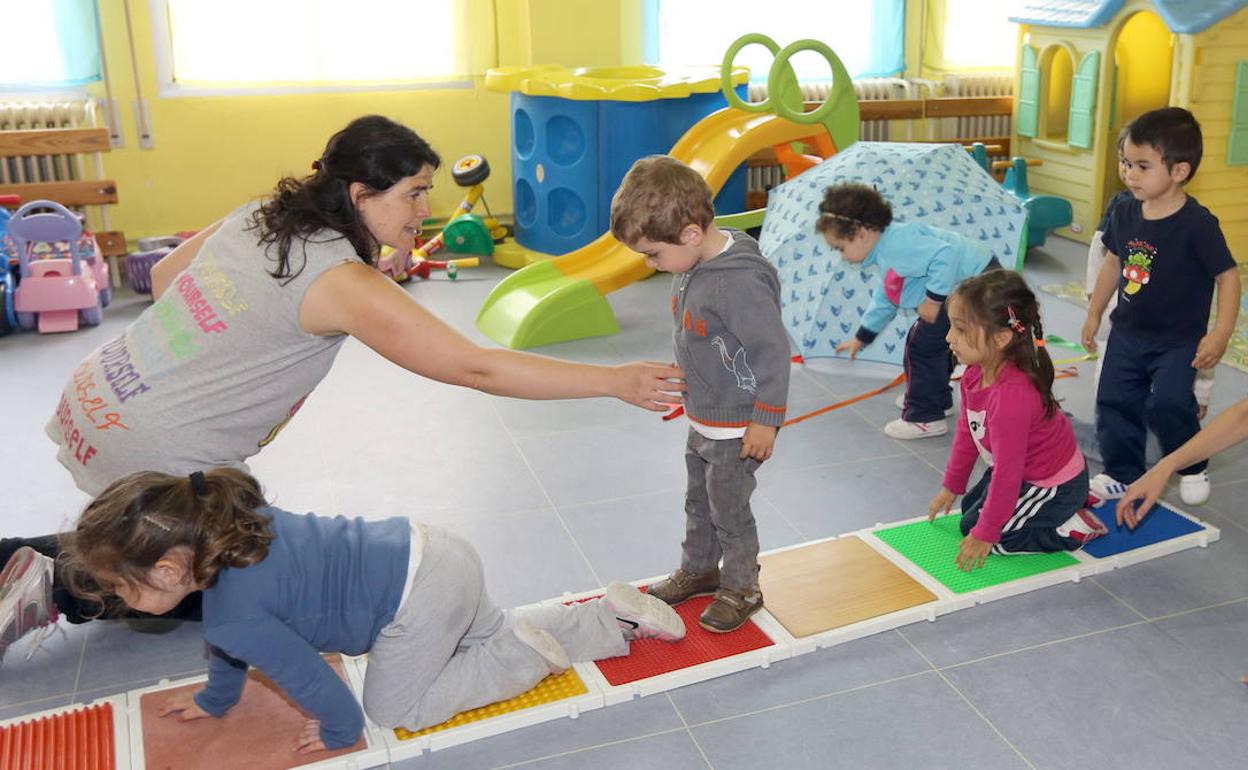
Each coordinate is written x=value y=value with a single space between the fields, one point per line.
x=938 y=184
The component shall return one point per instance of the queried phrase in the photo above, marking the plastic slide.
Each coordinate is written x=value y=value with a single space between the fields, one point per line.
x=563 y=298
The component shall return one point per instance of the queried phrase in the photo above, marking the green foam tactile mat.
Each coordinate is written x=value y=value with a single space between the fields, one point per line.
x=933 y=546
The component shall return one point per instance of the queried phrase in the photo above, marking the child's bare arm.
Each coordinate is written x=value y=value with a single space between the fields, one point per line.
x=1106 y=285
x=1213 y=345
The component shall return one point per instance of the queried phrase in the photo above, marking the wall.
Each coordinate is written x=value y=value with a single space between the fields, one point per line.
x=213 y=153
x=1206 y=70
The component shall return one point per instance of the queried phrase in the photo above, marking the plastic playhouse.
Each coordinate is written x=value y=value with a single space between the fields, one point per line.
x=564 y=298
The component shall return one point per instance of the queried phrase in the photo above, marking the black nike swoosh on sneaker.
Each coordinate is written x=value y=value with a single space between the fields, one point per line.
x=635 y=625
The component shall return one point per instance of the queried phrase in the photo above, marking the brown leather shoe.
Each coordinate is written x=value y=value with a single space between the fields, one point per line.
x=683 y=584
x=730 y=609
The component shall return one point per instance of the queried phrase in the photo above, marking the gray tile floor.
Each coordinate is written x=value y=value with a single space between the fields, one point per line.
x=1137 y=668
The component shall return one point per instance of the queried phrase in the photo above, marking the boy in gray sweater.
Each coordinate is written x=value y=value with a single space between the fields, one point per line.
x=731 y=343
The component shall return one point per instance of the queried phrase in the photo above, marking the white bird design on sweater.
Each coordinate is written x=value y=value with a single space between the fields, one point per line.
x=737 y=364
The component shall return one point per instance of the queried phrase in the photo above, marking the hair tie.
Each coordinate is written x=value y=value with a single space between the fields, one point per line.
x=316 y=165
x=198 y=485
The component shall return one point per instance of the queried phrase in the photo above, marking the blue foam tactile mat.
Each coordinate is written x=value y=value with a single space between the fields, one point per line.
x=1160 y=524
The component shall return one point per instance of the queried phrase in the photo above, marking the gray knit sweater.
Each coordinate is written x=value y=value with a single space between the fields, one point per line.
x=730 y=339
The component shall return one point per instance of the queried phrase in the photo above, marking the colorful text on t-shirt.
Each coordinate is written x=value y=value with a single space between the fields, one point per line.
x=120 y=372
x=75 y=441
x=200 y=308
x=91 y=403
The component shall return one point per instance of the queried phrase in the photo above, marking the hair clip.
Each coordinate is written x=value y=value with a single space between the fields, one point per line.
x=155 y=522
x=1013 y=321
x=1039 y=342
x=316 y=165
x=198 y=485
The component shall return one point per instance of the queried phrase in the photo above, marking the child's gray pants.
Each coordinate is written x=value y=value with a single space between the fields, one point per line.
x=718 y=519
x=450 y=649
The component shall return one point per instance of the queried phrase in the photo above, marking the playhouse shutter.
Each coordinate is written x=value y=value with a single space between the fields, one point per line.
x=1083 y=101
x=1028 y=93
x=1237 y=145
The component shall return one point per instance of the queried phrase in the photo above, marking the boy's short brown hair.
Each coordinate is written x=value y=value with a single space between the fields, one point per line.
x=657 y=199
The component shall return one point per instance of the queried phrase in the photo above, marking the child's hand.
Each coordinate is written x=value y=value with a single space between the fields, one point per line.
x=929 y=310
x=310 y=738
x=758 y=442
x=649 y=384
x=941 y=503
x=853 y=345
x=1210 y=350
x=971 y=553
x=1088 y=334
x=182 y=705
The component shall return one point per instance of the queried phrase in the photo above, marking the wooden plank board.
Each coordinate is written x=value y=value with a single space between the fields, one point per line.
x=88 y=192
x=834 y=583
x=112 y=243
x=53 y=141
x=972 y=106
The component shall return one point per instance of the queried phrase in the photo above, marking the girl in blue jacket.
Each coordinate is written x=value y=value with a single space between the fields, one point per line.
x=280 y=589
x=919 y=266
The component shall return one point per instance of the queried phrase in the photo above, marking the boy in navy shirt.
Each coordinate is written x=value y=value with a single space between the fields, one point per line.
x=1165 y=255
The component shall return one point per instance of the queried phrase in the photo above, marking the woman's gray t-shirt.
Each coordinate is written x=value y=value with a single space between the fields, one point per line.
x=208 y=374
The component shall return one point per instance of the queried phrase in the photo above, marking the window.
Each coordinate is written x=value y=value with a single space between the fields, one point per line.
x=867 y=35
x=1055 y=114
x=228 y=45
x=49 y=45
x=974 y=34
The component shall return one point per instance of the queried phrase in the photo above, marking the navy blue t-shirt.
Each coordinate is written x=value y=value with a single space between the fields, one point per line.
x=1168 y=266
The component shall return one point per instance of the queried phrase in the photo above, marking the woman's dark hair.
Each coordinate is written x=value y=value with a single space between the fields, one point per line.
x=372 y=150
x=1001 y=299
x=134 y=522
x=848 y=206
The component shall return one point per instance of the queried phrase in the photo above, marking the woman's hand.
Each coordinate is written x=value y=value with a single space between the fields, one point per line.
x=309 y=739
x=648 y=384
x=1141 y=496
x=941 y=504
x=183 y=706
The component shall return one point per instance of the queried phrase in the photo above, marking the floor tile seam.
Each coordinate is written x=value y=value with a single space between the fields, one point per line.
x=1041 y=645
x=546 y=494
x=1194 y=610
x=965 y=699
x=810 y=699
x=136 y=684
x=991 y=725
x=685 y=722
x=1117 y=598
x=583 y=749
x=804 y=538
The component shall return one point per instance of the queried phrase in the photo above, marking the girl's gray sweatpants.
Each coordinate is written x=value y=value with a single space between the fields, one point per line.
x=450 y=649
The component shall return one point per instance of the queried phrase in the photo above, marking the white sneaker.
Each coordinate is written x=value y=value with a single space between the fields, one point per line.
x=1083 y=526
x=1194 y=488
x=1106 y=487
x=25 y=596
x=905 y=430
x=541 y=642
x=643 y=616
x=901 y=404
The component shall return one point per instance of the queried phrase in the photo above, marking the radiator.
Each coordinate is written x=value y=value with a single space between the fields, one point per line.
x=992 y=84
x=19 y=116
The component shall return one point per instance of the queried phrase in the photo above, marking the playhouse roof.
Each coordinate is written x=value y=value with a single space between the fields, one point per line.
x=1182 y=16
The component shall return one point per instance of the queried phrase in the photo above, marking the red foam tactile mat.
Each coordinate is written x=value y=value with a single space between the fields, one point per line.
x=650 y=657
x=258 y=733
x=81 y=739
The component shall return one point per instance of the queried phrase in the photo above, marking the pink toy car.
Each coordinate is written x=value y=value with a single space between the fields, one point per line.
x=54 y=294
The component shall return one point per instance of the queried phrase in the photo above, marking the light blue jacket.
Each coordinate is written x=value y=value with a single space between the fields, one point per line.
x=916 y=261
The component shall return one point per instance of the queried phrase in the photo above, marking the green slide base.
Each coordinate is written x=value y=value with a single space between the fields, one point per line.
x=933 y=546
x=538 y=305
